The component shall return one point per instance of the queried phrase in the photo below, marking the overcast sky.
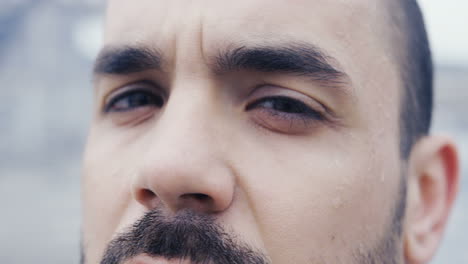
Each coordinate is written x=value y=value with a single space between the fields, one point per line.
x=447 y=23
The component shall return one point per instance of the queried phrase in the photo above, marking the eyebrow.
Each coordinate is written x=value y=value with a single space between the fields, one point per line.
x=301 y=59
x=126 y=60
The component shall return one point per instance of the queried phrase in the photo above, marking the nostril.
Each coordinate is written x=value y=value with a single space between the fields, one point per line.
x=147 y=197
x=203 y=198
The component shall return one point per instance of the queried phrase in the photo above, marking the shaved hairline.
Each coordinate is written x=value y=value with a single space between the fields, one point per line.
x=408 y=43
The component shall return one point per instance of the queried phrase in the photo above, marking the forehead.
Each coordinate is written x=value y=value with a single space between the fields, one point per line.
x=221 y=21
x=354 y=32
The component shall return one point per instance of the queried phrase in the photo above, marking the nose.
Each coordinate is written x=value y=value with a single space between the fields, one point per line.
x=182 y=169
x=177 y=183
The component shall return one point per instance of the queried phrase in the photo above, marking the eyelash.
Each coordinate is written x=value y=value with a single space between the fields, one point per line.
x=278 y=108
x=299 y=109
x=151 y=99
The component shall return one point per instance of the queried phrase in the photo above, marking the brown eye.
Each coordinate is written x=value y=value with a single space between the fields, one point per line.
x=284 y=115
x=131 y=100
x=286 y=106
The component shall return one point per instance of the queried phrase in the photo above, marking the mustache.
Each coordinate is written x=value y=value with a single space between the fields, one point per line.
x=187 y=235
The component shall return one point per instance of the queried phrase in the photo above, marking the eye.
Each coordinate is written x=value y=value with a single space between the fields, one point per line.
x=284 y=114
x=134 y=99
x=286 y=106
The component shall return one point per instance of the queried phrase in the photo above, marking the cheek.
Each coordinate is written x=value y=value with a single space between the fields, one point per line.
x=319 y=198
x=106 y=195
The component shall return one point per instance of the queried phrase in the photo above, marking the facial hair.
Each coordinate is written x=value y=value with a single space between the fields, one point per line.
x=198 y=239
x=186 y=236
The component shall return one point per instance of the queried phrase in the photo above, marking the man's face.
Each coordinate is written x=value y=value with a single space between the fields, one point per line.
x=275 y=120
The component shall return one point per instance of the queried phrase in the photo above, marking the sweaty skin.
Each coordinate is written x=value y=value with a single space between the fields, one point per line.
x=300 y=189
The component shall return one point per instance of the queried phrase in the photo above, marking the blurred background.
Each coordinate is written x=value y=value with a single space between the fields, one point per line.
x=46 y=54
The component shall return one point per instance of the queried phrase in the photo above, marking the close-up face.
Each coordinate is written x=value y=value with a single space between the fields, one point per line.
x=249 y=131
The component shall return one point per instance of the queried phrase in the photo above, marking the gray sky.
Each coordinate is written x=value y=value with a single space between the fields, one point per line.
x=447 y=23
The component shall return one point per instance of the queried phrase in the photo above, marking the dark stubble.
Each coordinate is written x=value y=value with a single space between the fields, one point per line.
x=187 y=235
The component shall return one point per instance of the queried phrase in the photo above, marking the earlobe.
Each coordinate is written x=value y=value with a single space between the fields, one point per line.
x=432 y=187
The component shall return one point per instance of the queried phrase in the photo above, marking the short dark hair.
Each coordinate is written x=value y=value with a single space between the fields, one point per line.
x=416 y=70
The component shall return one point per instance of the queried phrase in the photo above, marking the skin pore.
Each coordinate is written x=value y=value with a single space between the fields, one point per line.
x=273 y=122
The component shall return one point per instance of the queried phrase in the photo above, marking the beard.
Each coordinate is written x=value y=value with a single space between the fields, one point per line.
x=198 y=239
x=186 y=236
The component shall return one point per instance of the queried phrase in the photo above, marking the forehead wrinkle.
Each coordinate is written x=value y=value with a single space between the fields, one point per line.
x=354 y=10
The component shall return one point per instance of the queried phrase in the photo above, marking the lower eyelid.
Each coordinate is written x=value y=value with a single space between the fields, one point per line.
x=132 y=118
x=281 y=122
x=292 y=116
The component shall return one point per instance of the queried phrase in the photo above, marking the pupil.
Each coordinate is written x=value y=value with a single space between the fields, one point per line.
x=288 y=107
x=141 y=99
x=138 y=100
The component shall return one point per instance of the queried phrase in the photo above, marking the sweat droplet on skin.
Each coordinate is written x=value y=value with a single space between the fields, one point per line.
x=337 y=202
x=361 y=248
x=337 y=163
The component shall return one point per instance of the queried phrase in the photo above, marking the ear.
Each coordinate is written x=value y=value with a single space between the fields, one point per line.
x=432 y=187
